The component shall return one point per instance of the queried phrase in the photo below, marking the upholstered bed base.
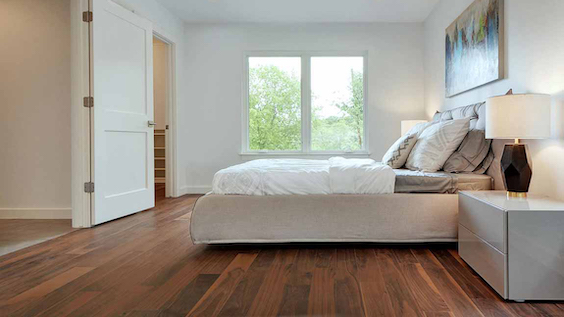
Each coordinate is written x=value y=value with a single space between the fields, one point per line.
x=392 y=218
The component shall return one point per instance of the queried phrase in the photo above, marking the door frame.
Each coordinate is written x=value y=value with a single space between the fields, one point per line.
x=81 y=119
x=170 y=152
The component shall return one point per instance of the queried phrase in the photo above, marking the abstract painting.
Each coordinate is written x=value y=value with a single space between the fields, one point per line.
x=474 y=47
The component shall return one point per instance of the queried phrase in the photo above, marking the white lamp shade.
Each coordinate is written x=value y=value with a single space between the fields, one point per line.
x=525 y=116
x=406 y=125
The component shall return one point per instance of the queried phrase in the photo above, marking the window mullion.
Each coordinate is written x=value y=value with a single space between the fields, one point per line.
x=306 y=103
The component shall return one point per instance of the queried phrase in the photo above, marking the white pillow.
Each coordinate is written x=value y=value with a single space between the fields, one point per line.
x=436 y=144
x=420 y=127
x=397 y=154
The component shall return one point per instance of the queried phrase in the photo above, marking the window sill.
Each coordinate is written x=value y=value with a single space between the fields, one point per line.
x=311 y=155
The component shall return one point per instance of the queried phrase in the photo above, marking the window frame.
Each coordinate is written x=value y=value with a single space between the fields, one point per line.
x=305 y=57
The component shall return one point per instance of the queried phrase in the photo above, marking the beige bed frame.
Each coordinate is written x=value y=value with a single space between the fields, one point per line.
x=392 y=218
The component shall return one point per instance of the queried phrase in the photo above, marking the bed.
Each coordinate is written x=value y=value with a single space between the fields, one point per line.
x=422 y=208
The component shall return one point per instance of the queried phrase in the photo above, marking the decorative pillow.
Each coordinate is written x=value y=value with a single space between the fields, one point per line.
x=436 y=144
x=471 y=152
x=397 y=154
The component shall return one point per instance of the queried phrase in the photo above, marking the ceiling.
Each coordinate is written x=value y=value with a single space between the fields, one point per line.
x=301 y=11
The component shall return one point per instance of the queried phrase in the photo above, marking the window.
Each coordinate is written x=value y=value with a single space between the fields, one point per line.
x=275 y=119
x=305 y=103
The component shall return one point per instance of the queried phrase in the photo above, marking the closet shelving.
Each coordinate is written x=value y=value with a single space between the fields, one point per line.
x=160 y=157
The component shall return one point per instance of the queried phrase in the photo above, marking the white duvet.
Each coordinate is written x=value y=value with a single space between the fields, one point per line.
x=305 y=177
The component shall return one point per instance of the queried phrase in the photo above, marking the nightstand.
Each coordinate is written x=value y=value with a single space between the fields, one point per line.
x=515 y=244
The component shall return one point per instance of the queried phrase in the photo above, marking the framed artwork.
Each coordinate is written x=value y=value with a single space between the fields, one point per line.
x=474 y=47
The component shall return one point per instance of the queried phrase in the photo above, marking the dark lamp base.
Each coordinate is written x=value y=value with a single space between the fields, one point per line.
x=516 y=168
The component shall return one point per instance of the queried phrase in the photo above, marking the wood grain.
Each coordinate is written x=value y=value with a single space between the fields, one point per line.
x=217 y=295
x=146 y=265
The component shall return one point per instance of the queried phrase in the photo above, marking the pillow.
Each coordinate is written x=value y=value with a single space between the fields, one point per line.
x=436 y=144
x=397 y=154
x=471 y=152
x=419 y=128
x=486 y=163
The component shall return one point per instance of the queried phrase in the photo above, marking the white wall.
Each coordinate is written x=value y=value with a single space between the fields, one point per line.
x=35 y=109
x=534 y=64
x=211 y=119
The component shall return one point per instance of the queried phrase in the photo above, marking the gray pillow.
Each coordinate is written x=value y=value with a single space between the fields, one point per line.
x=486 y=163
x=470 y=154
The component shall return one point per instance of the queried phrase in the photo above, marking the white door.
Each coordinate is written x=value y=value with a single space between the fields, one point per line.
x=122 y=87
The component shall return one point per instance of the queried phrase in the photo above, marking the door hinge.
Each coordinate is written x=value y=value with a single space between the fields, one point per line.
x=88 y=102
x=89 y=187
x=87 y=16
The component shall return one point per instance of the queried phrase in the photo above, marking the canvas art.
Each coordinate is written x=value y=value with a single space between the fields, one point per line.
x=474 y=47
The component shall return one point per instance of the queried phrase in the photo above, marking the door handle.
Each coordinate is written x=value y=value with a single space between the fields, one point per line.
x=151 y=124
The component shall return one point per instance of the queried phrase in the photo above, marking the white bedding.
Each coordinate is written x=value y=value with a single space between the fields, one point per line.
x=305 y=177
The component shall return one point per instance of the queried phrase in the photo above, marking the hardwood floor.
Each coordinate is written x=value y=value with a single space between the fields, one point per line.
x=17 y=234
x=146 y=265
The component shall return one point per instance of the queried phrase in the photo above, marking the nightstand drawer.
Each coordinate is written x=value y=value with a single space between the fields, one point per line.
x=484 y=220
x=483 y=258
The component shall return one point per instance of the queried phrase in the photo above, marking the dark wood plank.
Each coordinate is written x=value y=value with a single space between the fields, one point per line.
x=375 y=298
x=46 y=287
x=269 y=296
x=75 y=301
x=402 y=299
x=321 y=300
x=425 y=292
x=348 y=297
x=547 y=309
x=215 y=298
x=457 y=300
x=182 y=303
x=296 y=291
x=242 y=298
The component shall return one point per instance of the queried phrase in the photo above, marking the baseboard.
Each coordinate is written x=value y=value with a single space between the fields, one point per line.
x=185 y=190
x=35 y=213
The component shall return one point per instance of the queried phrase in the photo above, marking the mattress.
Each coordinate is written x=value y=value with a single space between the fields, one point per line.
x=408 y=181
x=337 y=175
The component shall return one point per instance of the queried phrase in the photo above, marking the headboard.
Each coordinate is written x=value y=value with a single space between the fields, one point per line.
x=477 y=113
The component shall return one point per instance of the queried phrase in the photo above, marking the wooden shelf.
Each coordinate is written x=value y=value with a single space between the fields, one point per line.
x=160 y=157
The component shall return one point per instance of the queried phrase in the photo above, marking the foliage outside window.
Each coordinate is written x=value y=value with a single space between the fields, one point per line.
x=333 y=99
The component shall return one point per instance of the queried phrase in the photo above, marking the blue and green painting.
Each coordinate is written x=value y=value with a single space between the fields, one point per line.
x=474 y=47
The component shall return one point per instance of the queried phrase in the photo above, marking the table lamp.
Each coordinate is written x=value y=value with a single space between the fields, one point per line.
x=519 y=116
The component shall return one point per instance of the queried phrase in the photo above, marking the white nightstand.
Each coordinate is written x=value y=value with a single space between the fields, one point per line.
x=515 y=244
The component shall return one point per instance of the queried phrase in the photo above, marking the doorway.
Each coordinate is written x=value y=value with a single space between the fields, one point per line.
x=161 y=104
x=114 y=149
